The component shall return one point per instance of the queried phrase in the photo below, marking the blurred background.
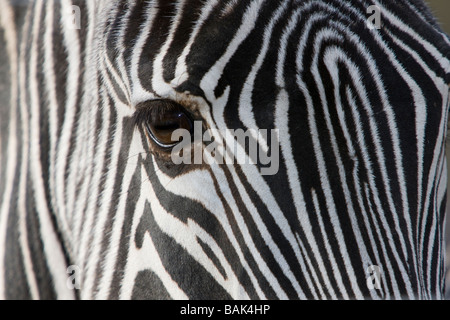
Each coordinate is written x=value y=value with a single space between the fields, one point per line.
x=441 y=9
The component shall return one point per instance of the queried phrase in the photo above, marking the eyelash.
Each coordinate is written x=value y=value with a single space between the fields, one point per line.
x=160 y=118
x=149 y=110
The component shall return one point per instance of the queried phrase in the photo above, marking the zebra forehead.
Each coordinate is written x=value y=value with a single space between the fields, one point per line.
x=176 y=44
x=172 y=46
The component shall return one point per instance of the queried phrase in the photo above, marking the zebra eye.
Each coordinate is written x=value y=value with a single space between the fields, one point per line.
x=161 y=118
x=162 y=128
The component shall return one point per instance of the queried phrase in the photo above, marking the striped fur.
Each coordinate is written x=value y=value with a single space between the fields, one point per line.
x=361 y=114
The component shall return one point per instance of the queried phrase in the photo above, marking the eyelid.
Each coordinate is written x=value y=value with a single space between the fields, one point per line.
x=153 y=109
x=155 y=140
x=152 y=116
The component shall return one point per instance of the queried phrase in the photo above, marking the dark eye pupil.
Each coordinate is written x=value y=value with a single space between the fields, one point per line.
x=163 y=126
x=161 y=118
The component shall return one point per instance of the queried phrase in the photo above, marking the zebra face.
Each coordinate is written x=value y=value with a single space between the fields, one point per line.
x=360 y=116
x=229 y=149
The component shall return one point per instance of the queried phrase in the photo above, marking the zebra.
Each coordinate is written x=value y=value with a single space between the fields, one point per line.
x=93 y=207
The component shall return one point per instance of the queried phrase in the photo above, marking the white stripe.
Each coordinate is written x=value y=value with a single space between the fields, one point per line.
x=94 y=189
x=259 y=185
x=121 y=44
x=147 y=257
x=368 y=166
x=105 y=202
x=114 y=242
x=72 y=45
x=82 y=161
x=188 y=186
x=210 y=79
x=312 y=271
x=162 y=88
x=52 y=248
x=50 y=86
x=437 y=55
x=181 y=72
x=22 y=196
x=186 y=234
x=10 y=33
x=395 y=144
x=139 y=94
x=281 y=123
x=380 y=155
x=246 y=107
